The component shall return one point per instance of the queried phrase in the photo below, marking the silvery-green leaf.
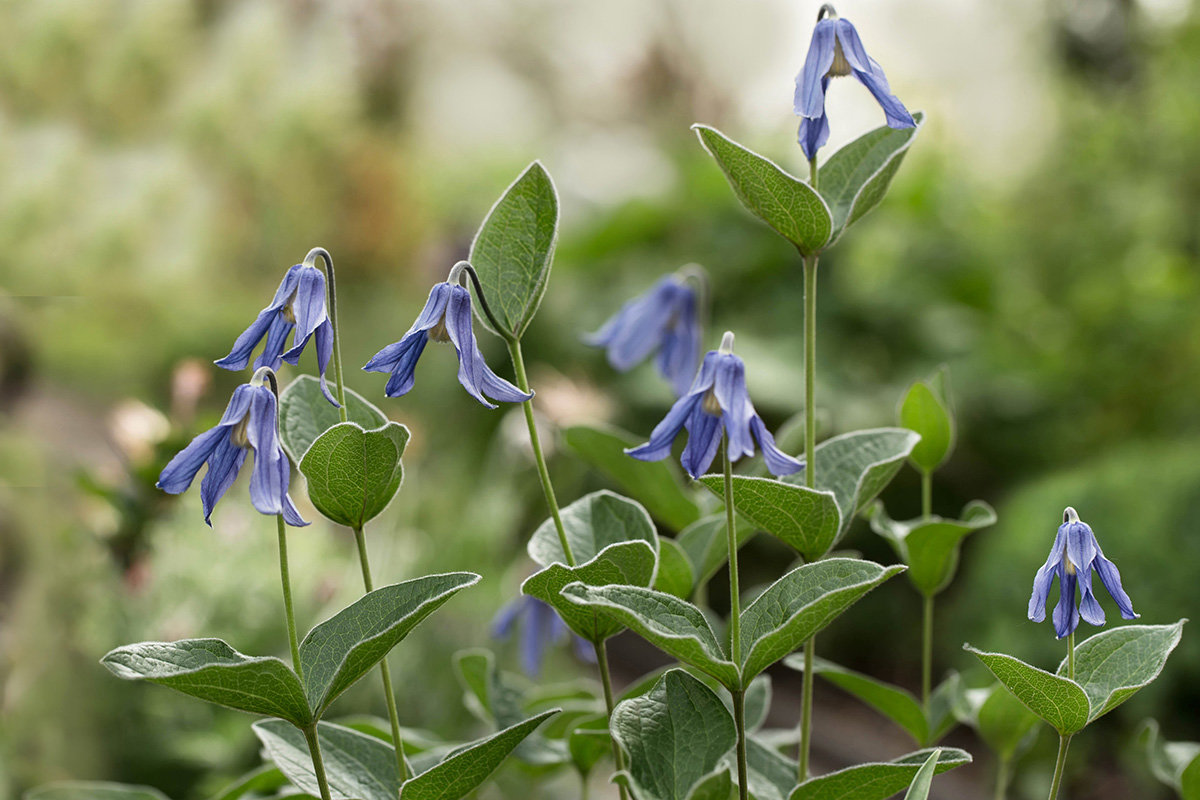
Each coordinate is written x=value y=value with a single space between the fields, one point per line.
x=877 y=781
x=1112 y=665
x=592 y=523
x=706 y=544
x=1177 y=764
x=758 y=702
x=304 y=414
x=1062 y=703
x=895 y=703
x=919 y=788
x=589 y=742
x=927 y=414
x=674 y=570
x=771 y=775
x=1002 y=721
x=807 y=519
x=93 y=790
x=942 y=701
x=357 y=766
x=930 y=545
x=353 y=473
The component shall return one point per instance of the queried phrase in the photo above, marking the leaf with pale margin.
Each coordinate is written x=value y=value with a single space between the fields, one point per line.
x=924 y=413
x=919 y=788
x=353 y=473
x=93 y=790
x=790 y=206
x=513 y=249
x=346 y=646
x=1060 y=702
x=674 y=570
x=1177 y=764
x=1112 y=665
x=758 y=702
x=770 y=774
x=855 y=178
x=942 y=702
x=658 y=485
x=895 y=703
x=1004 y=723
x=467 y=768
x=675 y=735
x=304 y=414
x=798 y=605
x=930 y=546
x=212 y=670
x=592 y=523
x=357 y=766
x=706 y=544
x=877 y=781
x=672 y=625
x=806 y=519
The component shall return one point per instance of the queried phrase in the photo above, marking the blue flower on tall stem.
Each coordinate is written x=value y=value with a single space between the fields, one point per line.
x=445 y=318
x=666 y=319
x=250 y=423
x=837 y=50
x=717 y=403
x=541 y=627
x=1072 y=558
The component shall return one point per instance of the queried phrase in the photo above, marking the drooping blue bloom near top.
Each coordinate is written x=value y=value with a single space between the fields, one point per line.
x=836 y=50
x=541 y=627
x=664 y=319
x=717 y=403
x=299 y=305
x=445 y=318
x=1072 y=558
x=249 y=424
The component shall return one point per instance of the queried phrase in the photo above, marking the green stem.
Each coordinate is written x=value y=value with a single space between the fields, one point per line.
x=927 y=653
x=331 y=288
x=735 y=613
x=926 y=494
x=384 y=671
x=287 y=595
x=609 y=704
x=806 y=697
x=739 y=720
x=1071 y=655
x=1002 y=774
x=1063 y=743
x=314 y=749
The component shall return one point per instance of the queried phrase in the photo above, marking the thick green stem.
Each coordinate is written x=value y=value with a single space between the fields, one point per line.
x=1063 y=743
x=1002 y=774
x=331 y=309
x=806 y=696
x=735 y=612
x=287 y=594
x=739 y=721
x=926 y=494
x=927 y=653
x=609 y=704
x=314 y=749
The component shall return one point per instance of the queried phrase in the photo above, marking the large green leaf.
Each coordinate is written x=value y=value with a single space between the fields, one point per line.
x=807 y=519
x=353 y=473
x=1002 y=721
x=304 y=414
x=877 y=781
x=919 y=788
x=1062 y=703
x=357 y=766
x=658 y=485
x=893 y=702
x=930 y=545
x=926 y=413
x=212 y=670
x=758 y=702
x=855 y=179
x=675 y=735
x=592 y=523
x=513 y=249
x=706 y=544
x=1177 y=764
x=675 y=574
x=93 y=790
x=1112 y=665
x=344 y=647
x=789 y=205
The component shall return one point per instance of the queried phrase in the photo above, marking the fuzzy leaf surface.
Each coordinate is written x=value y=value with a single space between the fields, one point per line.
x=304 y=414
x=352 y=473
x=925 y=413
x=592 y=523
x=1114 y=664
x=706 y=544
x=923 y=780
x=1060 y=702
x=877 y=781
x=806 y=519
x=675 y=575
x=358 y=766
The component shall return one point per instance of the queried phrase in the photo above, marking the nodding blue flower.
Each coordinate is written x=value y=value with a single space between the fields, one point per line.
x=1072 y=558
x=299 y=305
x=717 y=403
x=541 y=627
x=664 y=319
x=249 y=424
x=836 y=50
x=445 y=318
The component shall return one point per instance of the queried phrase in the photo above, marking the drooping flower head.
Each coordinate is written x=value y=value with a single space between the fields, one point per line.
x=837 y=50
x=1074 y=556
x=717 y=404
x=541 y=628
x=664 y=319
x=299 y=306
x=445 y=318
x=250 y=423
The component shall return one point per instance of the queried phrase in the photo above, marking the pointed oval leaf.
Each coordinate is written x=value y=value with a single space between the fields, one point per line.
x=895 y=703
x=771 y=775
x=800 y=604
x=758 y=702
x=1004 y=723
x=675 y=735
x=513 y=249
x=924 y=413
x=93 y=790
x=707 y=546
x=942 y=701
x=919 y=788
x=592 y=523
x=353 y=473
x=304 y=414
x=212 y=670
x=357 y=766
x=716 y=785
x=807 y=519
x=1112 y=665
x=930 y=545
x=789 y=205
x=1062 y=703
x=675 y=574
x=346 y=646
x=877 y=781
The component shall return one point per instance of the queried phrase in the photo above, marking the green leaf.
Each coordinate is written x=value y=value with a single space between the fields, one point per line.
x=1177 y=764
x=1002 y=721
x=716 y=785
x=674 y=570
x=877 y=781
x=353 y=473
x=93 y=790
x=212 y=670
x=658 y=485
x=589 y=742
x=1062 y=703
x=357 y=766
x=304 y=414
x=919 y=788
x=468 y=767
x=942 y=701
x=592 y=523
x=263 y=781
x=513 y=249
x=624 y=563
x=807 y=519
x=855 y=179
x=675 y=735
x=672 y=625
x=930 y=545
x=789 y=205
x=344 y=647
x=923 y=412
x=706 y=544
x=893 y=702
x=800 y=604
x=758 y=702
x=1112 y=665
x=770 y=775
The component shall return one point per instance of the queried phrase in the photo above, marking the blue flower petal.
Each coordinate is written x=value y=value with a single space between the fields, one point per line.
x=181 y=470
x=223 y=467
x=272 y=352
x=470 y=361
x=324 y=336
x=870 y=74
x=704 y=439
x=1089 y=607
x=239 y=356
x=729 y=386
x=1111 y=578
x=813 y=134
x=1045 y=576
x=778 y=462
x=664 y=433
x=809 y=101
x=1066 y=613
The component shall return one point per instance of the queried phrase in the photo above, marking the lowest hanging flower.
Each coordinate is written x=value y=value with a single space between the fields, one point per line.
x=718 y=403
x=249 y=424
x=1072 y=558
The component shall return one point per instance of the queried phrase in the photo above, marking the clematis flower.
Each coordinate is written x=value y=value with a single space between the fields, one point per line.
x=445 y=318
x=1072 y=558
x=299 y=306
x=249 y=424
x=717 y=403
x=663 y=319
x=541 y=627
x=836 y=50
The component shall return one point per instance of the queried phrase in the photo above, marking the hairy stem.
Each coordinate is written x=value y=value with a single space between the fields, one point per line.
x=739 y=721
x=314 y=749
x=287 y=595
x=806 y=696
x=1063 y=743
x=609 y=704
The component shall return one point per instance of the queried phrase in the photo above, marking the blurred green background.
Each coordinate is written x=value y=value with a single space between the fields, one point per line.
x=163 y=162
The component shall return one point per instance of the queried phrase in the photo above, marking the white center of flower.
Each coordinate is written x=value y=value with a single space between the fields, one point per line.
x=438 y=332
x=840 y=66
x=238 y=434
x=710 y=404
